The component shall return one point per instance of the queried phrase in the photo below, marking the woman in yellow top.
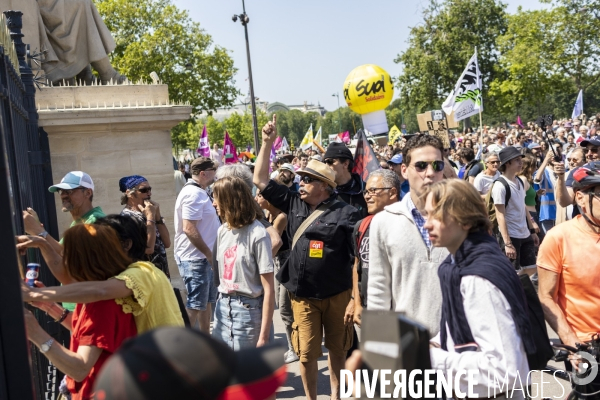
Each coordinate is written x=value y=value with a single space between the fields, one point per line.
x=141 y=289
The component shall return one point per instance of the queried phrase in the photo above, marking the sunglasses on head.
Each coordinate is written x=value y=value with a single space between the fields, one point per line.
x=438 y=165
x=145 y=189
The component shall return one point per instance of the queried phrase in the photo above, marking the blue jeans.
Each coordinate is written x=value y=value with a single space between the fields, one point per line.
x=238 y=320
x=197 y=276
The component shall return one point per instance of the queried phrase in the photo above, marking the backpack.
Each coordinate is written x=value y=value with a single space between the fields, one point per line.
x=489 y=201
x=543 y=352
x=468 y=169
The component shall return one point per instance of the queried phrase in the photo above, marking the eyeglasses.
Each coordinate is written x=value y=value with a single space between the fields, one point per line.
x=593 y=150
x=438 y=165
x=374 y=191
x=145 y=189
x=308 y=179
x=329 y=161
x=69 y=192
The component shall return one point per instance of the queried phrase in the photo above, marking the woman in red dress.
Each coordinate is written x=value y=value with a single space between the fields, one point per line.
x=91 y=253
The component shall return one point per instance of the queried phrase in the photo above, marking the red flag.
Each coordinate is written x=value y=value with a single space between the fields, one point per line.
x=365 y=160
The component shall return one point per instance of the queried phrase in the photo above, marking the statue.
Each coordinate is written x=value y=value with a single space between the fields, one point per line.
x=72 y=36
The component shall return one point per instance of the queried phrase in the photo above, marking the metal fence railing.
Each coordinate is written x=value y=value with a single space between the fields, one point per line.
x=25 y=175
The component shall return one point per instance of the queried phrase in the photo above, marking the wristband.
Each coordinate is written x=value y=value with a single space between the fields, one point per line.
x=160 y=221
x=150 y=220
x=532 y=231
x=509 y=245
x=63 y=316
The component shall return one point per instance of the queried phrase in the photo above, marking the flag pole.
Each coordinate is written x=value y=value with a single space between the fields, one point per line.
x=480 y=117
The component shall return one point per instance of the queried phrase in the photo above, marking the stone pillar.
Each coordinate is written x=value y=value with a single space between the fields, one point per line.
x=111 y=132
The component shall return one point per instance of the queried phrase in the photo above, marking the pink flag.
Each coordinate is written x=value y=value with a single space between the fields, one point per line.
x=229 y=150
x=345 y=137
x=278 y=143
x=519 y=121
x=203 y=146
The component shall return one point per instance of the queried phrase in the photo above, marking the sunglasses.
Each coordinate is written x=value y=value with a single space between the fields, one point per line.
x=493 y=162
x=438 y=165
x=329 y=161
x=593 y=150
x=145 y=189
x=69 y=192
x=308 y=179
x=374 y=191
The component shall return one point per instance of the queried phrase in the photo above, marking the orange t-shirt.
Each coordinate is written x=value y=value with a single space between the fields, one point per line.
x=573 y=252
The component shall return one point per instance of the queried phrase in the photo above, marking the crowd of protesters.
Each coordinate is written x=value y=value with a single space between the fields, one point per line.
x=438 y=233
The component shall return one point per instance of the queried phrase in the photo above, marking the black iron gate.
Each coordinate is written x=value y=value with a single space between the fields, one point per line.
x=25 y=175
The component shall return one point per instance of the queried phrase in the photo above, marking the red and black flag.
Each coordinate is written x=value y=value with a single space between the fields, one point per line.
x=365 y=160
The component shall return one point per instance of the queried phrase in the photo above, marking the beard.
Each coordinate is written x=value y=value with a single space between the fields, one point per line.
x=285 y=179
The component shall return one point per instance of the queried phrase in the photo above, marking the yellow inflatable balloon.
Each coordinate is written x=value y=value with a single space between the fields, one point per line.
x=368 y=88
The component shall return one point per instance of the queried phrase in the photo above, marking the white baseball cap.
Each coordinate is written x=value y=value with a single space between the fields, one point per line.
x=72 y=180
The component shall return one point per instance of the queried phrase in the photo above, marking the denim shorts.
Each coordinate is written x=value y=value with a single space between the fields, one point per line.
x=238 y=320
x=197 y=276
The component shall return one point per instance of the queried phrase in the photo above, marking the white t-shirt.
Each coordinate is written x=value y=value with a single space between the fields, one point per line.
x=217 y=155
x=516 y=213
x=483 y=182
x=194 y=204
x=243 y=255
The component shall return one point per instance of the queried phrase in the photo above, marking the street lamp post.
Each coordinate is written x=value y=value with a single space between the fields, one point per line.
x=339 y=114
x=244 y=19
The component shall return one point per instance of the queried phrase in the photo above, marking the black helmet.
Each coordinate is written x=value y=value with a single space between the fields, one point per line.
x=587 y=176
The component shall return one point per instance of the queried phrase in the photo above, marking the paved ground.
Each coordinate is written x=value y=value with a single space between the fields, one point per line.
x=293 y=387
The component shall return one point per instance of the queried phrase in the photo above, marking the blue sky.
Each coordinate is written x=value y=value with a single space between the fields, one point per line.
x=303 y=50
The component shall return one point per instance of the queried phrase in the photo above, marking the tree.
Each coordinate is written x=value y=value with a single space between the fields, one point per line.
x=154 y=35
x=439 y=49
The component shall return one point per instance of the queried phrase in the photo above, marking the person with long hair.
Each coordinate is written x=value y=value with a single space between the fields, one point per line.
x=244 y=308
x=485 y=322
x=91 y=253
x=141 y=289
x=526 y=175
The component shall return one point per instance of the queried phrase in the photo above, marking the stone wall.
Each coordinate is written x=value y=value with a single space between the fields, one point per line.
x=111 y=132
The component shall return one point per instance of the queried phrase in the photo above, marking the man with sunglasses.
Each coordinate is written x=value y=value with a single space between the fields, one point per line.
x=76 y=190
x=196 y=226
x=569 y=267
x=349 y=185
x=402 y=262
x=136 y=198
x=318 y=272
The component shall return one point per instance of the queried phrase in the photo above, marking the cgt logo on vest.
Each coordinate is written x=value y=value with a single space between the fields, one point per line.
x=315 y=249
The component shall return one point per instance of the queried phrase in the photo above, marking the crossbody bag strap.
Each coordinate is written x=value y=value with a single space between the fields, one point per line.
x=308 y=221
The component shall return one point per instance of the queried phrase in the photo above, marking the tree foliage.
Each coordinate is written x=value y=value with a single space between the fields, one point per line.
x=154 y=35
x=440 y=47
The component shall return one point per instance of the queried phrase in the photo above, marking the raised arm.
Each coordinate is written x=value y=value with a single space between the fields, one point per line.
x=261 y=167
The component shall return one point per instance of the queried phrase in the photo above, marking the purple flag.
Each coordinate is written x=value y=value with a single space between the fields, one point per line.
x=229 y=150
x=203 y=146
x=278 y=143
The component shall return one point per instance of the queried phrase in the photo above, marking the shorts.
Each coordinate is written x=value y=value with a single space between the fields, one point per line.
x=526 y=252
x=197 y=276
x=311 y=317
x=238 y=320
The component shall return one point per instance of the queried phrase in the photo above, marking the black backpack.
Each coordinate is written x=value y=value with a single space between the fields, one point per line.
x=544 y=352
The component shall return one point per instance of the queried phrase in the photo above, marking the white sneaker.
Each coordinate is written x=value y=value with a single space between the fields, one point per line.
x=290 y=357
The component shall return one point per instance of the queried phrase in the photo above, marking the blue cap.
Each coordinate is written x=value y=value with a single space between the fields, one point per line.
x=397 y=159
x=534 y=146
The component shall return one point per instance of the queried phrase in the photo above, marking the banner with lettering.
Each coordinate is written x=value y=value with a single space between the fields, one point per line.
x=466 y=98
x=203 y=145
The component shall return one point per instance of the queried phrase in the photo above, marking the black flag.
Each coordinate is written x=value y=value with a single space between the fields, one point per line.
x=365 y=160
